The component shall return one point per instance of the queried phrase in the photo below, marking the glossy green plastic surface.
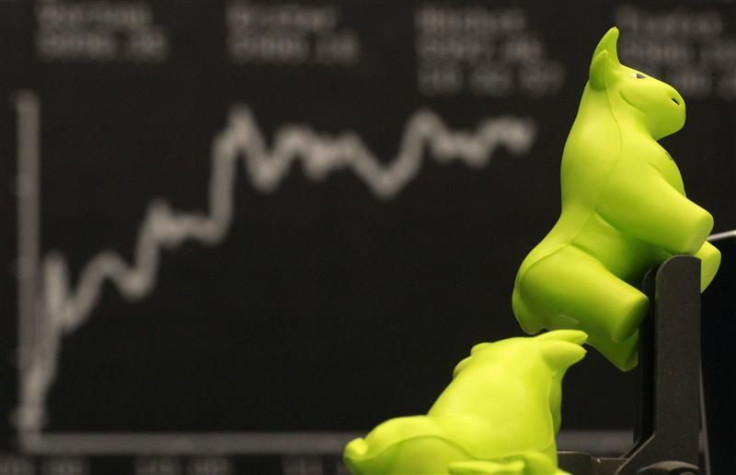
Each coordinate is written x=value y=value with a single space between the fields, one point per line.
x=499 y=415
x=624 y=210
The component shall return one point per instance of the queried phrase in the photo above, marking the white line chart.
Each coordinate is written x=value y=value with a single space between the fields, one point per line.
x=51 y=306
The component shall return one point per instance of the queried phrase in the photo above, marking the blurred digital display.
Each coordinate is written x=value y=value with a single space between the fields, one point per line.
x=240 y=233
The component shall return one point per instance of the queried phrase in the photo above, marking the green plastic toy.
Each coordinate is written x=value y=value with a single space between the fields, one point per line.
x=499 y=415
x=624 y=210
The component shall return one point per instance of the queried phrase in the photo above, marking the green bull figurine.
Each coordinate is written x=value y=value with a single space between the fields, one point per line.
x=624 y=210
x=499 y=415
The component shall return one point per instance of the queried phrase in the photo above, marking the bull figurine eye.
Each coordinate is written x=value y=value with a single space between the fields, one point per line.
x=639 y=76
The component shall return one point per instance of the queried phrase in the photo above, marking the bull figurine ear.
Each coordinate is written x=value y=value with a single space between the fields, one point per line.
x=605 y=58
x=562 y=348
x=598 y=70
x=560 y=355
x=571 y=336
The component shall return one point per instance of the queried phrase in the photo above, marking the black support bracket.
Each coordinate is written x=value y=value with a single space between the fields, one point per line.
x=668 y=429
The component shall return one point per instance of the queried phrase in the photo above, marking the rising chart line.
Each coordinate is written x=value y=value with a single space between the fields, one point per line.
x=61 y=306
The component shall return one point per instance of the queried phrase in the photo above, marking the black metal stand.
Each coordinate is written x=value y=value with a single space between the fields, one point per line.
x=667 y=434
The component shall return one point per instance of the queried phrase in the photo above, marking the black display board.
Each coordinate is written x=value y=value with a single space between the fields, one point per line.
x=719 y=361
x=237 y=233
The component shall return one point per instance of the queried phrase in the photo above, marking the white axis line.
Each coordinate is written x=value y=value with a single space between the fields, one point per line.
x=68 y=444
x=28 y=231
x=65 y=308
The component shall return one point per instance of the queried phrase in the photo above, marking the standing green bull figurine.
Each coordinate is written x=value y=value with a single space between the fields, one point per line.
x=499 y=415
x=624 y=210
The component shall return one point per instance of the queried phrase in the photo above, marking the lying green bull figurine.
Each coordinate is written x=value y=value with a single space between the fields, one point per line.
x=624 y=211
x=499 y=415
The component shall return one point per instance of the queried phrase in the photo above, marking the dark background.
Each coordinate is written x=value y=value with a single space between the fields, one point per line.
x=326 y=308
